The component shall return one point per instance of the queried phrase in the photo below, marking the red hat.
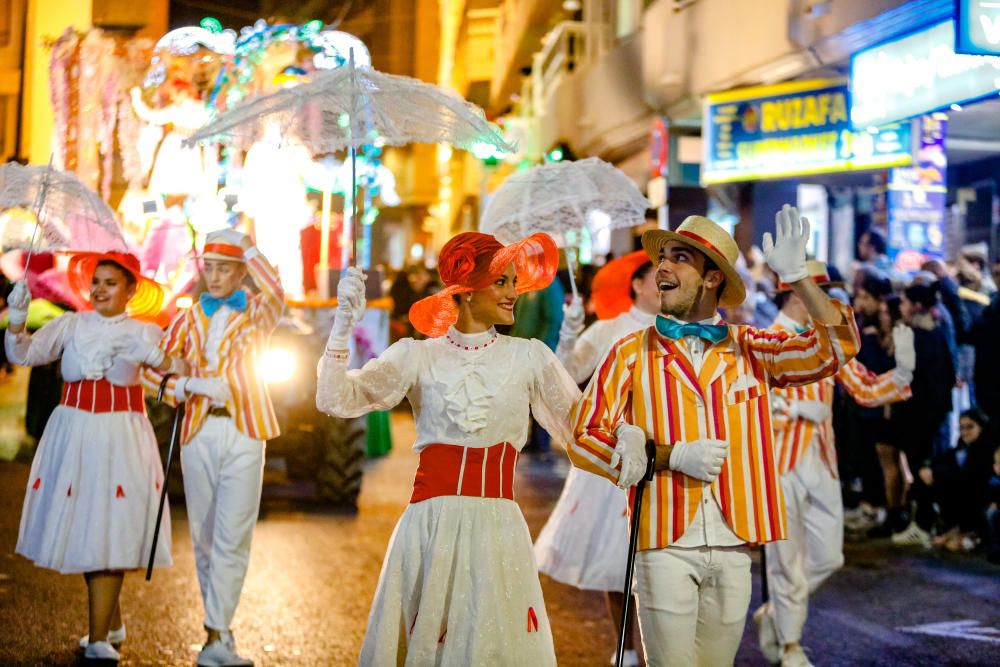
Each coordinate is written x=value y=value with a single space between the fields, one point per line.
x=149 y=295
x=611 y=291
x=472 y=261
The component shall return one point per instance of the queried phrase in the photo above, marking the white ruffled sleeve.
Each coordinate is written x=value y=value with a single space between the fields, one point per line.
x=585 y=355
x=44 y=346
x=379 y=385
x=553 y=393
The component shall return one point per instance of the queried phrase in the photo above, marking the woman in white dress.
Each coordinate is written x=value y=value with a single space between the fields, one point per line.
x=91 y=502
x=459 y=585
x=585 y=541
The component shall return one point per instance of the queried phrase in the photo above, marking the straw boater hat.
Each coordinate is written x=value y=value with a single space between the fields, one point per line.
x=709 y=238
x=218 y=245
x=611 y=291
x=818 y=273
x=472 y=261
x=149 y=295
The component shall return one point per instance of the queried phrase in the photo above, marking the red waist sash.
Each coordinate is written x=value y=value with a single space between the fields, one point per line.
x=102 y=396
x=453 y=470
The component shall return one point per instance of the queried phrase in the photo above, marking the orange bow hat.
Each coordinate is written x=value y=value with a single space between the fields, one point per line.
x=472 y=261
x=611 y=291
x=149 y=295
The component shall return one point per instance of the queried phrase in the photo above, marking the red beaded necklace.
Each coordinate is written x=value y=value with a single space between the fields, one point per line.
x=472 y=347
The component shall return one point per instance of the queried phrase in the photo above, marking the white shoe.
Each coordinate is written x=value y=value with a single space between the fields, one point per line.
x=767 y=635
x=114 y=637
x=101 y=651
x=913 y=534
x=630 y=659
x=220 y=654
x=795 y=657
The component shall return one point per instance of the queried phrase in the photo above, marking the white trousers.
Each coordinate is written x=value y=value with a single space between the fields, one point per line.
x=223 y=473
x=814 y=549
x=692 y=604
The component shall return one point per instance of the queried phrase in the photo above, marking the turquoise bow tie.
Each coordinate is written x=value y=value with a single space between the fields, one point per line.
x=676 y=330
x=237 y=301
x=801 y=330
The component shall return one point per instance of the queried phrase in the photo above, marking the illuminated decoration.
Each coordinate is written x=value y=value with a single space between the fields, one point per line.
x=793 y=129
x=555 y=155
x=184 y=302
x=977 y=30
x=917 y=74
x=186 y=41
x=336 y=50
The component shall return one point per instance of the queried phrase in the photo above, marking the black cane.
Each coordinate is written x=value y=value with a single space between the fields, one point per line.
x=765 y=594
x=178 y=415
x=633 y=541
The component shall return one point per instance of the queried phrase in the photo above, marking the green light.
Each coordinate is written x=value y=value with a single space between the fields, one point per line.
x=369 y=217
x=211 y=24
x=314 y=26
x=555 y=155
x=344 y=120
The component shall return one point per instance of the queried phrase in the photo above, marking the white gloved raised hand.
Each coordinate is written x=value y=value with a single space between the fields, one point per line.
x=214 y=388
x=906 y=354
x=17 y=303
x=814 y=411
x=350 y=308
x=631 y=452
x=139 y=351
x=701 y=459
x=572 y=324
x=786 y=252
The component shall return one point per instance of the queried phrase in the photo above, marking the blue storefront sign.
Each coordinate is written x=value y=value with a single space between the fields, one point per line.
x=977 y=28
x=793 y=129
x=917 y=74
x=917 y=200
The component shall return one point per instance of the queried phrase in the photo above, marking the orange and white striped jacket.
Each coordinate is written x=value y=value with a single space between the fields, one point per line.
x=244 y=339
x=649 y=380
x=793 y=434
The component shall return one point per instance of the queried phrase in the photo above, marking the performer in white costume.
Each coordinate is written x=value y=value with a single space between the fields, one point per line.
x=91 y=502
x=585 y=540
x=802 y=419
x=459 y=585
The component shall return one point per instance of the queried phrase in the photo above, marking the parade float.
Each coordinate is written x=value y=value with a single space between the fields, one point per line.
x=123 y=110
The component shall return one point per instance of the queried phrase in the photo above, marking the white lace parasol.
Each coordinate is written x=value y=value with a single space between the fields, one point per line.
x=561 y=197
x=70 y=215
x=357 y=106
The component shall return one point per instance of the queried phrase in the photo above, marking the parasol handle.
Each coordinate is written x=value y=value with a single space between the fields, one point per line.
x=355 y=227
x=39 y=203
x=570 y=266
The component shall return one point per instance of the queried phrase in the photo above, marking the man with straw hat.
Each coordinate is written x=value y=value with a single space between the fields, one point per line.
x=698 y=389
x=802 y=419
x=228 y=417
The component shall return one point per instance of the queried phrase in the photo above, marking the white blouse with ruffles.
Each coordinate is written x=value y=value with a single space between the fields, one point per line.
x=86 y=342
x=460 y=395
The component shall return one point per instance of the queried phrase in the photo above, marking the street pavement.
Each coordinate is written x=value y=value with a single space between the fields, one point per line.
x=313 y=573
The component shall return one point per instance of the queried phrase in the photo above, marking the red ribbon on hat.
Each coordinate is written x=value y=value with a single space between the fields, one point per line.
x=705 y=242
x=224 y=249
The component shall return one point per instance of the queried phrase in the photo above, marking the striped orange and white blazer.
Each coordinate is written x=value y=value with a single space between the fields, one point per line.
x=244 y=340
x=793 y=435
x=649 y=380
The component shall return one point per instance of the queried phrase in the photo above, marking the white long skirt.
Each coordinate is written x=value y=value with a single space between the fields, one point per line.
x=459 y=586
x=585 y=541
x=93 y=494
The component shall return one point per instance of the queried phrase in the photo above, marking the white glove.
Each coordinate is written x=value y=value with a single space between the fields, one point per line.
x=631 y=451
x=139 y=351
x=786 y=252
x=572 y=324
x=350 y=308
x=814 y=411
x=701 y=459
x=902 y=342
x=18 y=302
x=214 y=388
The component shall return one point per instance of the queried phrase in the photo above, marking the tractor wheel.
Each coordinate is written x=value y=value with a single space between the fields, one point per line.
x=338 y=478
